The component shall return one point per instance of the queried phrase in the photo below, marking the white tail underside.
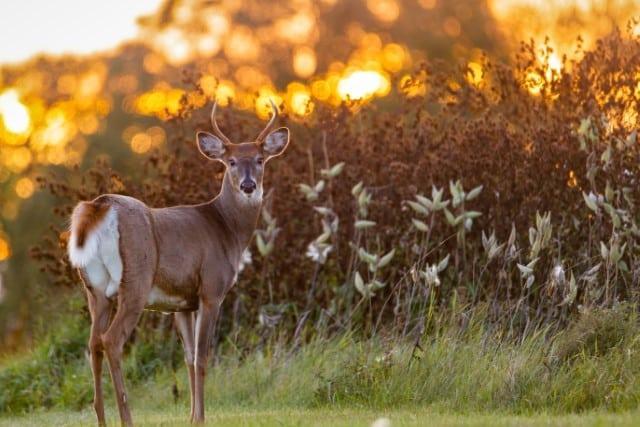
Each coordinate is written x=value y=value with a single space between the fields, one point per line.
x=99 y=257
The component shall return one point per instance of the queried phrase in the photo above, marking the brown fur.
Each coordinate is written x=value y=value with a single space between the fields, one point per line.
x=188 y=255
x=86 y=217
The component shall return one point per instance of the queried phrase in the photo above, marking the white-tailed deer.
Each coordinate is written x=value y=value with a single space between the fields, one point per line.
x=181 y=259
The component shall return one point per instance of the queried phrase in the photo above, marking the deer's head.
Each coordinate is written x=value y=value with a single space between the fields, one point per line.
x=244 y=161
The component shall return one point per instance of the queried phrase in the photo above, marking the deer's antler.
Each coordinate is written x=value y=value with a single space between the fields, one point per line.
x=265 y=131
x=216 y=130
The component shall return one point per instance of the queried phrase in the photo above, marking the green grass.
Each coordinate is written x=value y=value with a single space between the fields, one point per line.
x=461 y=375
x=325 y=417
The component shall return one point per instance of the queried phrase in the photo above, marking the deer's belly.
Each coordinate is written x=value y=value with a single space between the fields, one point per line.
x=158 y=300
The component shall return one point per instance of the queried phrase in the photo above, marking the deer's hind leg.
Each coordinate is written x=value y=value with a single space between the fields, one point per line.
x=131 y=301
x=100 y=308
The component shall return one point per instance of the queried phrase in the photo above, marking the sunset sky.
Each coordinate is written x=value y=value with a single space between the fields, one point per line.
x=29 y=27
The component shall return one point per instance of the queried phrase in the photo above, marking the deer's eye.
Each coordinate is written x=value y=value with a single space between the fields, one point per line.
x=232 y=162
x=259 y=160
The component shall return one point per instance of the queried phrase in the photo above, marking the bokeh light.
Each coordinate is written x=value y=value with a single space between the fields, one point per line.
x=363 y=84
x=15 y=115
x=24 y=188
x=304 y=61
x=5 y=250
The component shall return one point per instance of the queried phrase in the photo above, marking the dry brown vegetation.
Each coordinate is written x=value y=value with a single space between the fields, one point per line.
x=556 y=228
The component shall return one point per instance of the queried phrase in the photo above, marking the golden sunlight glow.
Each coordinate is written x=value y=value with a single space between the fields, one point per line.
x=140 y=143
x=24 y=188
x=224 y=92
x=554 y=66
x=17 y=159
x=384 y=10
x=363 y=85
x=208 y=84
x=262 y=104
x=534 y=83
x=393 y=57
x=242 y=45
x=321 y=90
x=59 y=129
x=251 y=77
x=304 y=62
x=14 y=113
x=475 y=73
x=428 y=4
x=5 y=250
x=572 y=181
x=299 y=99
x=411 y=86
x=451 y=26
x=160 y=101
x=297 y=28
x=174 y=46
x=561 y=21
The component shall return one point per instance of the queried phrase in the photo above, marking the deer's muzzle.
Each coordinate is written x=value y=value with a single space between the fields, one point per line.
x=248 y=186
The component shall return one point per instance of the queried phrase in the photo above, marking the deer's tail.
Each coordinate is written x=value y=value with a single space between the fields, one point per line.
x=91 y=223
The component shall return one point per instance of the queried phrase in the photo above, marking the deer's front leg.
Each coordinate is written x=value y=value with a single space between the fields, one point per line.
x=205 y=325
x=185 y=324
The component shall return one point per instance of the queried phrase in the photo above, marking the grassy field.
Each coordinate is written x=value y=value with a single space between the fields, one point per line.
x=284 y=417
x=588 y=376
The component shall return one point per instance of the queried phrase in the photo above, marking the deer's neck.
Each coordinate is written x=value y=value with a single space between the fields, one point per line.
x=239 y=212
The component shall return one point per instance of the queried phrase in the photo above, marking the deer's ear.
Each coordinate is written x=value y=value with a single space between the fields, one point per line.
x=276 y=142
x=211 y=146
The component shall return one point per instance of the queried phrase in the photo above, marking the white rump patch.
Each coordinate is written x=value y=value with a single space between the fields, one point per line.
x=99 y=258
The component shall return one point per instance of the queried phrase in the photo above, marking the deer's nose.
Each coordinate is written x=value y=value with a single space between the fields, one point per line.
x=248 y=186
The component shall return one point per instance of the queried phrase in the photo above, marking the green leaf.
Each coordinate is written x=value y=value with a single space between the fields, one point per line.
x=309 y=192
x=615 y=218
x=359 y=284
x=333 y=172
x=363 y=223
x=357 y=189
x=264 y=248
x=573 y=292
x=367 y=257
x=323 y=210
x=608 y=192
x=386 y=258
x=420 y=225
x=591 y=203
x=424 y=201
x=474 y=193
x=604 y=251
x=524 y=270
x=471 y=214
x=450 y=218
x=376 y=285
x=606 y=155
x=456 y=192
x=419 y=208
x=443 y=263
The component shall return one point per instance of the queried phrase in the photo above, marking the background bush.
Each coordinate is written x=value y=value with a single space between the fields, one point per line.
x=479 y=193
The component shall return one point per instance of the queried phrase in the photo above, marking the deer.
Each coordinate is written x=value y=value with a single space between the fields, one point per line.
x=181 y=260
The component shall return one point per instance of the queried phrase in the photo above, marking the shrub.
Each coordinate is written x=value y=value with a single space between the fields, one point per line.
x=497 y=193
